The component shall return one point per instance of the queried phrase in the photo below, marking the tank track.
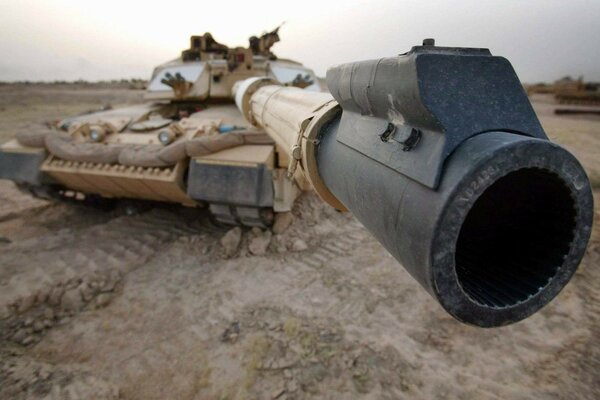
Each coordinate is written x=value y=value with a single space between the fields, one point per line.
x=56 y=193
x=43 y=192
x=261 y=217
x=240 y=215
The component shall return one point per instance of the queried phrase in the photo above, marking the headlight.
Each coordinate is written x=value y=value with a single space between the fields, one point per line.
x=166 y=137
x=96 y=134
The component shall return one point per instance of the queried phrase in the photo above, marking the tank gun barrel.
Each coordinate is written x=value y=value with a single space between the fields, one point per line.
x=440 y=155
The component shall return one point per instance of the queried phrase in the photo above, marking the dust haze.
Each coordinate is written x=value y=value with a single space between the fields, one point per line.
x=68 y=40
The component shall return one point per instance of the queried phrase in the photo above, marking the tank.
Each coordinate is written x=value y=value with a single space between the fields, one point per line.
x=187 y=143
x=437 y=152
x=578 y=92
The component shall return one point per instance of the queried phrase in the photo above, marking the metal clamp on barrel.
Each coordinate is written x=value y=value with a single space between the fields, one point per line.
x=309 y=140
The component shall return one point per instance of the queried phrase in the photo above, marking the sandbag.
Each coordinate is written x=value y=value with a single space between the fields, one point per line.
x=173 y=153
x=150 y=155
x=65 y=147
x=211 y=144
x=35 y=138
x=143 y=156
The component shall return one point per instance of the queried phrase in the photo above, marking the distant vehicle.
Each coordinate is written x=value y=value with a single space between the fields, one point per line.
x=569 y=91
x=187 y=144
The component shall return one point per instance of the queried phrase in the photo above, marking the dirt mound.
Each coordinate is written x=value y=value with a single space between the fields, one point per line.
x=304 y=228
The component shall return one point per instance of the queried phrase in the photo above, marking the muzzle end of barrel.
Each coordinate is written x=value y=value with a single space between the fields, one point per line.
x=513 y=234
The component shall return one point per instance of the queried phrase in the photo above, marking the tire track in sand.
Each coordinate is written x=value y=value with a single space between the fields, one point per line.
x=41 y=288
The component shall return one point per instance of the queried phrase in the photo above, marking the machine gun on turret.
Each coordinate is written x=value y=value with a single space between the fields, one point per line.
x=262 y=45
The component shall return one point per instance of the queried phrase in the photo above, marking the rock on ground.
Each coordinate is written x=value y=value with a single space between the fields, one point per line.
x=282 y=222
x=259 y=242
x=231 y=241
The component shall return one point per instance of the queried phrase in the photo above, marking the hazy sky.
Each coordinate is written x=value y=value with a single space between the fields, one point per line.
x=68 y=39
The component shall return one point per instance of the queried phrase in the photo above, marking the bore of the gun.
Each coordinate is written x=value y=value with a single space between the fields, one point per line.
x=515 y=238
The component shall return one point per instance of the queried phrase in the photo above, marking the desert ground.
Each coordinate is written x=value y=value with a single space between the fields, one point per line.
x=161 y=303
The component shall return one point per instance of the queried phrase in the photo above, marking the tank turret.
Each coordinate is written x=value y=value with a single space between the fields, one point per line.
x=208 y=69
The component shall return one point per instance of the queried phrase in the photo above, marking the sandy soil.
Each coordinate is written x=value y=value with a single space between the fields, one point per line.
x=163 y=304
